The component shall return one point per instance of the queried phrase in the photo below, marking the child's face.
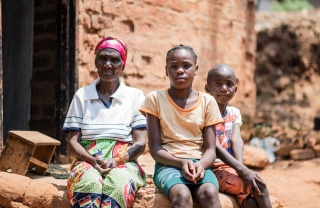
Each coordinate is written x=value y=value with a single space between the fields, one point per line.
x=181 y=69
x=222 y=85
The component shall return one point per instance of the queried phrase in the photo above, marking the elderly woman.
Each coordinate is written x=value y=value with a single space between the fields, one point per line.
x=106 y=134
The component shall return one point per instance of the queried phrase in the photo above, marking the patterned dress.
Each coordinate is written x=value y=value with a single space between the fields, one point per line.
x=106 y=130
x=86 y=186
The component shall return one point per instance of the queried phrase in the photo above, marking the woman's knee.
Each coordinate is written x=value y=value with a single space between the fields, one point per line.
x=89 y=181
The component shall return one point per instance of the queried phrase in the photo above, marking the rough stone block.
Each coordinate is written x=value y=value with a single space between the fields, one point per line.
x=302 y=154
x=12 y=188
x=39 y=194
x=18 y=191
x=316 y=149
x=60 y=198
x=255 y=157
x=153 y=197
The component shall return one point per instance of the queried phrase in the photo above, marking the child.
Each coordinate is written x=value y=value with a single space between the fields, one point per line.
x=181 y=124
x=222 y=85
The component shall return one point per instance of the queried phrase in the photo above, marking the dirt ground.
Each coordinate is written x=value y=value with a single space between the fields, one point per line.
x=295 y=183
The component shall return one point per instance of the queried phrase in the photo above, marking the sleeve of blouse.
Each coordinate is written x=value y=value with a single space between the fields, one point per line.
x=150 y=105
x=212 y=114
x=139 y=121
x=74 y=116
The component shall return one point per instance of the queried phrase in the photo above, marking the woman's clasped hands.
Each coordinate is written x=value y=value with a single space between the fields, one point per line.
x=105 y=166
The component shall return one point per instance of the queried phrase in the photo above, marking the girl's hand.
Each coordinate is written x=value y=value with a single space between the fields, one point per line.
x=188 y=169
x=199 y=171
x=250 y=179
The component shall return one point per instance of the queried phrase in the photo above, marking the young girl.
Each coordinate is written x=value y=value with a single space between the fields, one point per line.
x=181 y=124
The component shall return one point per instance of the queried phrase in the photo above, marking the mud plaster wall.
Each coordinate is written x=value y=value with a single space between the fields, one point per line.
x=220 y=31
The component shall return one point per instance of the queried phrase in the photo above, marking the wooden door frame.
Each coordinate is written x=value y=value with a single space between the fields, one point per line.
x=67 y=76
x=1 y=82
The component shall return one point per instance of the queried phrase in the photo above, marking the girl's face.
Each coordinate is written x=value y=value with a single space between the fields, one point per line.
x=109 y=64
x=181 y=68
x=222 y=85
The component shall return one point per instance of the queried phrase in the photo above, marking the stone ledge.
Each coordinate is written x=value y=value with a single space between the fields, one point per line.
x=18 y=191
x=153 y=197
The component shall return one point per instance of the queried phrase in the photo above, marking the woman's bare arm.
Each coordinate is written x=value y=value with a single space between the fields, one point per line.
x=77 y=149
x=138 y=146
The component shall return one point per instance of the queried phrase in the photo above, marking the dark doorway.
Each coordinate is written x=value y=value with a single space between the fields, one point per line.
x=39 y=74
x=17 y=30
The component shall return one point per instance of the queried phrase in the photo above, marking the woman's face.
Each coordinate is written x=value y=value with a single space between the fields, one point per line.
x=181 y=69
x=109 y=64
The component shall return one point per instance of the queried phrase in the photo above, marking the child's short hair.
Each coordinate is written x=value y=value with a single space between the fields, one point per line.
x=218 y=66
x=181 y=46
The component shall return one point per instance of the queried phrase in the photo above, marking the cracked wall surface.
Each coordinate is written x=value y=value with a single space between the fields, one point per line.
x=219 y=31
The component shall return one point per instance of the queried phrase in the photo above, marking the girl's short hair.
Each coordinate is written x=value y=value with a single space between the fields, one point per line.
x=181 y=46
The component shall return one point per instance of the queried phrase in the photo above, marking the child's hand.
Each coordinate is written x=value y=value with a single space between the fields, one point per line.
x=251 y=178
x=198 y=171
x=188 y=169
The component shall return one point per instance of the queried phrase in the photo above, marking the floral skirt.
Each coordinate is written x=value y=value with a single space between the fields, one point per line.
x=86 y=186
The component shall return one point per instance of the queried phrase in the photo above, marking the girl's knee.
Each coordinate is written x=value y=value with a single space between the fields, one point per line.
x=263 y=200
x=264 y=191
x=180 y=196
x=208 y=196
x=208 y=191
x=249 y=202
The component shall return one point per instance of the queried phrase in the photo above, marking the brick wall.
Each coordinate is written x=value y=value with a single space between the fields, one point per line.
x=220 y=31
x=44 y=68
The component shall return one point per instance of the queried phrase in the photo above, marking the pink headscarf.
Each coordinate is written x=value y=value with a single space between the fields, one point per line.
x=114 y=43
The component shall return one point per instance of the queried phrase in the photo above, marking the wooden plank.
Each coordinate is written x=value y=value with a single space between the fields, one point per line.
x=34 y=137
x=39 y=163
